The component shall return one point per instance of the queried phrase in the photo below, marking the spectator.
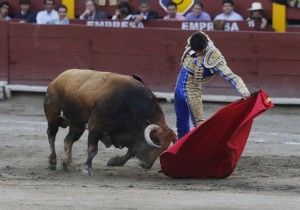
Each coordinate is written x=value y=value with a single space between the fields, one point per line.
x=201 y=60
x=4 y=10
x=25 y=15
x=172 y=13
x=198 y=13
x=62 y=15
x=123 y=12
x=144 y=12
x=256 y=16
x=293 y=3
x=90 y=12
x=228 y=13
x=49 y=15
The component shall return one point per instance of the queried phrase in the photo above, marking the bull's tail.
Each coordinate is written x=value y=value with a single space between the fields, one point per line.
x=63 y=122
x=47 y=99
x=53 y=111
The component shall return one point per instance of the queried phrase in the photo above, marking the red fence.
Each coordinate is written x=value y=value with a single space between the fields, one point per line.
x=34 y=54
x=3 y=50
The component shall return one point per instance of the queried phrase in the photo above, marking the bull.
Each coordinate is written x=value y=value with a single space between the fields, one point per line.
x=119 y=110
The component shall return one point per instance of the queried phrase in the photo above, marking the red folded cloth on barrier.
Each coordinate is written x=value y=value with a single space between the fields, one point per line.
x=213 y=149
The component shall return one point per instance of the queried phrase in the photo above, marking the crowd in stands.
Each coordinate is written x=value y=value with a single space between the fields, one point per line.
x=57 y=14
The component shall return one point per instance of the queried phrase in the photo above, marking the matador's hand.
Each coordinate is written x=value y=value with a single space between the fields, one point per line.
x=245 y=95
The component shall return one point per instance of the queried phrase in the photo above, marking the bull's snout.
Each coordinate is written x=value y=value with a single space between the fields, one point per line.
x=146 y=165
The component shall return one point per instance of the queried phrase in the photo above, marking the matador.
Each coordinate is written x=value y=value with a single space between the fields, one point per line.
x=201 y=60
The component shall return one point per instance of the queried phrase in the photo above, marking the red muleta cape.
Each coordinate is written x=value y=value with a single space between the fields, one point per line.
x=213 y=149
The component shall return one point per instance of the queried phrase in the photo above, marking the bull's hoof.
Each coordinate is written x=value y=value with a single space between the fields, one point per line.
x=68 y=167
x=52 y=166
x=86 y=171
x=115 y=161
x=145 y=166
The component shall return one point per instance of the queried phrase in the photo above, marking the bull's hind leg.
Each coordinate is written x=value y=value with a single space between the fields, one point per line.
x=52 y=130
x=75 y=132
x=120 y=160
x=52 y=114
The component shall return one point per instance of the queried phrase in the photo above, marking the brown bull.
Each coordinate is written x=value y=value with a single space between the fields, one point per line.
x=119 y=110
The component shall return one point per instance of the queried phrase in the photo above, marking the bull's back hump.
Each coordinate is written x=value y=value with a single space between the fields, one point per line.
x=90 y=82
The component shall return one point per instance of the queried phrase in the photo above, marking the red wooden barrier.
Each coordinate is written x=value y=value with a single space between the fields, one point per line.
x=184 y=25
x=38 y=53
x=3 y=50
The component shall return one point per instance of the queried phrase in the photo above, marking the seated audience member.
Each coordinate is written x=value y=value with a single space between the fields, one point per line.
x=256 y=15
x=49 y=15
x=62 y=15
x=144 y=12
x=25 y=15
x=293 y=3
x=90 y=12
x=198 y=13
x=122 y=13
x=4 y=10
x=172 y=13
x=228 y=12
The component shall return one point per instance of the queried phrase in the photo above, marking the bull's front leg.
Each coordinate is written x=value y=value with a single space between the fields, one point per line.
x=120 y=160
x=74 y=134
x=93 y=139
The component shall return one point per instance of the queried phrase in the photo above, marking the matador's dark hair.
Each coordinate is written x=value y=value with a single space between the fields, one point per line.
x=198 y=41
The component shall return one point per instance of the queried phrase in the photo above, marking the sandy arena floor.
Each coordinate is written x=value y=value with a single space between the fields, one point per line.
x=267 y=176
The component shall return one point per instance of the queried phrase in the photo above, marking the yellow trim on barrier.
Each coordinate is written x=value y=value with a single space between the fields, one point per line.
x=279 y=17
x=71 y=7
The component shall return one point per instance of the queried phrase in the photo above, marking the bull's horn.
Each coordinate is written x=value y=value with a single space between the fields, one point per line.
x=147 y=132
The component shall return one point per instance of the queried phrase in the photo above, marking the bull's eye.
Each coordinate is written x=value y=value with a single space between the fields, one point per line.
x=154 y=139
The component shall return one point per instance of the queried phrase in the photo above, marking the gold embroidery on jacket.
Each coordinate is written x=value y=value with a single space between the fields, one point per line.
x=212 y=57
x=196 y=69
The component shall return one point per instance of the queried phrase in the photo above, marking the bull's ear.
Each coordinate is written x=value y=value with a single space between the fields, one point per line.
x=138 y=78
x=170 y=135
x=166 y=135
